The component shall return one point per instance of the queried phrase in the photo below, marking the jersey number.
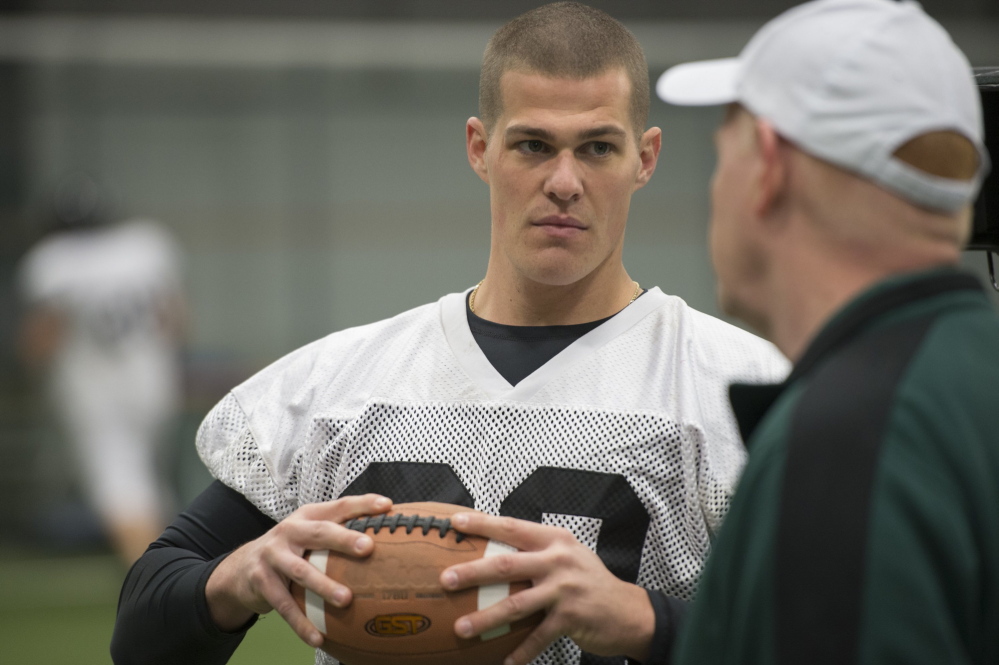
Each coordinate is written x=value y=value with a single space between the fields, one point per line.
x=605 y=496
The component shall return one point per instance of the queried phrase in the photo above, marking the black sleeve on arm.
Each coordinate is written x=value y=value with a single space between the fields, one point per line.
x=162 y=612
x=669 y=619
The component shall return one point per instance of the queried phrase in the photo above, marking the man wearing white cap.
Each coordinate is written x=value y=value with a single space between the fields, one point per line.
x=866 y=524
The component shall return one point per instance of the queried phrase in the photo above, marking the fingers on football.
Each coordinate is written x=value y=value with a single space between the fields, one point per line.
x=521 y=534
x=267 y=581
x=348 y=507
x=508 y=567
x=283 y=603
x=512 y=608
x=314 y=534
x=303 y=573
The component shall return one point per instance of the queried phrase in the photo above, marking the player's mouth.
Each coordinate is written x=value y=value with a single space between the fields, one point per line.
x=559 y=226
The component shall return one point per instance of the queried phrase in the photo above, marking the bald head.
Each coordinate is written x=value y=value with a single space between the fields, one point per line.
x=849 y=209
x=793 y=237
x=864 y=216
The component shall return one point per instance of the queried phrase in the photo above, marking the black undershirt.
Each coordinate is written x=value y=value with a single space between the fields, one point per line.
x=517 y=351
x=155 y=623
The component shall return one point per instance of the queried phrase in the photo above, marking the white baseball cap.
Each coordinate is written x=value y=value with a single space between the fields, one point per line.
x=850 y=82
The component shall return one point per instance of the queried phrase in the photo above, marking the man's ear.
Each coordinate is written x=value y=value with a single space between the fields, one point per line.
x=476 y=142
x=773 y=168
x=648 y=152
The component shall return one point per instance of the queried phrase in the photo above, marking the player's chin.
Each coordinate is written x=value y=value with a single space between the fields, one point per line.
x=559 y=265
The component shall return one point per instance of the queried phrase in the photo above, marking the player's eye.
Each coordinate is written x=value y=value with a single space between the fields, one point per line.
x=533 y=146
x=600 y=148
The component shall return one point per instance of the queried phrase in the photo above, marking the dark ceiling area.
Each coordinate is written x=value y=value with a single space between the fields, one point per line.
x=431 y=10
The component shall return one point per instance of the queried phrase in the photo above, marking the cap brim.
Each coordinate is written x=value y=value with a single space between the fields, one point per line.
x=704 y=83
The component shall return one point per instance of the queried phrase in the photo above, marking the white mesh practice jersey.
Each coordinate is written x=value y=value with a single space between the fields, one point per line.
x=111 y=286
x=626 y=437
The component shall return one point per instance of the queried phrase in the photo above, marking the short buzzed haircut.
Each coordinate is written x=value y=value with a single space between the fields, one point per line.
x=563 y=40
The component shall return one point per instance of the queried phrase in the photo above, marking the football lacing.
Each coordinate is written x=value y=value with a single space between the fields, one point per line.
x=393 y=522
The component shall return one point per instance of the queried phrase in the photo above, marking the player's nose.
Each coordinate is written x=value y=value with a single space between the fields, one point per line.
x=564 y=182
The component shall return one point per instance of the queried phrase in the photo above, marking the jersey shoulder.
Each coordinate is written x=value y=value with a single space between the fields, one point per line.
x=250 y=440
x=358 y=350
x=718 y=345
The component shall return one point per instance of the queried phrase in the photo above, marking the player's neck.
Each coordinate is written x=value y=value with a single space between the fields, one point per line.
x=523 y=302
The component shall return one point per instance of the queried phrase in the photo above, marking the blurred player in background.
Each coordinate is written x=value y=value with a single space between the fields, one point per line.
x=103 y=321
x=589 y=412
x=866 y=525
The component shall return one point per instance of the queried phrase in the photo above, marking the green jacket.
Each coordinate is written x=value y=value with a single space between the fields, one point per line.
x=866 y=525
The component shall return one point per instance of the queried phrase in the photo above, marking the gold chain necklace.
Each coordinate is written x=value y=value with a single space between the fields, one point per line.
x=638 y=292
x=471 y=296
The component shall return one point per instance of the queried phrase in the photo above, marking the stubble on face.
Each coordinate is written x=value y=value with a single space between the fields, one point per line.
x=735 y=253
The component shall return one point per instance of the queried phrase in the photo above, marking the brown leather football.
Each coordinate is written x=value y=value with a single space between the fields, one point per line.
x=400 y=615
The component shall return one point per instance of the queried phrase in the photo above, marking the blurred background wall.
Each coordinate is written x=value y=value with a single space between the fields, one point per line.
x=309 y=156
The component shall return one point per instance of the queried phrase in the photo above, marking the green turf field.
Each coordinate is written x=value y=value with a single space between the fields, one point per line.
x=60 y=611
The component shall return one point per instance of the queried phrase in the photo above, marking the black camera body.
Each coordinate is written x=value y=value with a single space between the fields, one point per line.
x=985 y=228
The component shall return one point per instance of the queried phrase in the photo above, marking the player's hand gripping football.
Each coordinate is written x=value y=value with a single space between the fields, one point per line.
x=582 y=599
x=254 y=578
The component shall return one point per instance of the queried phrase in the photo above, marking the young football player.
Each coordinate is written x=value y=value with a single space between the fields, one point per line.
x=103 y=322
x=557 y=392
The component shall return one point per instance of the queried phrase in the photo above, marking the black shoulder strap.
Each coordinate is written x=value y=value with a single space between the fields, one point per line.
x=833 y=449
